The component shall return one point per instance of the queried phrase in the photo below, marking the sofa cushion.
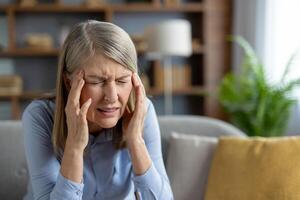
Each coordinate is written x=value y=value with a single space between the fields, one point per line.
x=255 y=168
x=189 y=158
x=194 y=125
x=14 y=174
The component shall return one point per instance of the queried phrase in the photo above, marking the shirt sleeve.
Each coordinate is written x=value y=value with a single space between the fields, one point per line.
x=154 y=183
x=44 y=168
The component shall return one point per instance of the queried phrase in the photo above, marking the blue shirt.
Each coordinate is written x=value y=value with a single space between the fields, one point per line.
x=107 y=173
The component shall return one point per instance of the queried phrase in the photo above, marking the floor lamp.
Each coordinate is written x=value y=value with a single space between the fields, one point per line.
x=165 y=40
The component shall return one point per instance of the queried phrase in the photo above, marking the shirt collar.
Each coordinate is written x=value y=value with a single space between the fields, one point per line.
x=106 y=135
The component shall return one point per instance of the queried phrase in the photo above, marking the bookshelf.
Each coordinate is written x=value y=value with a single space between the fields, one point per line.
x=211 y=23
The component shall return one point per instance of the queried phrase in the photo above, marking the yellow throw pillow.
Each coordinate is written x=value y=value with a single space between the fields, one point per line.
x=255 y=169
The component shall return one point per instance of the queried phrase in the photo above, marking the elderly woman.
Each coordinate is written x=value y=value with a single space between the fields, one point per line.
x=100 y=138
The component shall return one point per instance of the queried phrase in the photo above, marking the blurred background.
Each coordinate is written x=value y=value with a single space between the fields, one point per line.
x=31 y=32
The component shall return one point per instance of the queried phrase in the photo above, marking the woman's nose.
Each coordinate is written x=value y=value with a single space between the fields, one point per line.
x=110 y=93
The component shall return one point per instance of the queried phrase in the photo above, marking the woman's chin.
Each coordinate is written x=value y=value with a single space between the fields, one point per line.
x=107 y=123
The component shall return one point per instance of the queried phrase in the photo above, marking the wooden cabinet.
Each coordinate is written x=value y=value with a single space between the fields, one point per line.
x=211 y=23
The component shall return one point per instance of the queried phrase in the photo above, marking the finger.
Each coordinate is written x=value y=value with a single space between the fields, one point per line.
x=140 y=97
x=84 y=109
x=139 y=82
x=76 y=87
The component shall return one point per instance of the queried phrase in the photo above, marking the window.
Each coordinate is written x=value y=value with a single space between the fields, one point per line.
x=282 y=39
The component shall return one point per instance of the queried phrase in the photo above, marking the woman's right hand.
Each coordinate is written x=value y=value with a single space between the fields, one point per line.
x=78 y=133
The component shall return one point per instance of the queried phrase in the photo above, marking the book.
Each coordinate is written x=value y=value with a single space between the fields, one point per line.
x=10 y=85
x=181 y=76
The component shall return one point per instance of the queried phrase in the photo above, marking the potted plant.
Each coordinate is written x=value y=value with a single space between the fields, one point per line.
x=254 y=104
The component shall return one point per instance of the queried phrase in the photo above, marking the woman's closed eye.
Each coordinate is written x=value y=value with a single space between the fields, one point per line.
x=122 y=81
x=102 y=82
x=95 y=82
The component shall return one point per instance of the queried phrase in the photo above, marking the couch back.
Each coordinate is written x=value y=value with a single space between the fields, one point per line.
x=194 y=125
x=14 y=174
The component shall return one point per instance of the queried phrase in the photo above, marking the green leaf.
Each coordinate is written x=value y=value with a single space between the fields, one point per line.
x=256 y=106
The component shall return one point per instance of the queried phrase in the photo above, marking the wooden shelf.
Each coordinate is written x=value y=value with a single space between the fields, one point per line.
x=16 y=100
x=56 y=8
x=29 y=52
x=37 y=52
x=137 y=7
x=28 y=95
x=192 y=90
x=188 y=7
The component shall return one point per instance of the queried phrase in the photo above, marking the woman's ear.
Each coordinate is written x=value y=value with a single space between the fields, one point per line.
x=66 y=81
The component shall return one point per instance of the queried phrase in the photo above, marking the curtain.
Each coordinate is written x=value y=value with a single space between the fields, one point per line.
x=272 y=27
x=282 y=40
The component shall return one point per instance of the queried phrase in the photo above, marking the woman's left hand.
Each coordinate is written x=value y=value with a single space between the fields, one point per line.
x=133 y=123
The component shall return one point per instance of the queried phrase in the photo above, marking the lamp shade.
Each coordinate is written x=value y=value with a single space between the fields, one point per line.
x=169 y=38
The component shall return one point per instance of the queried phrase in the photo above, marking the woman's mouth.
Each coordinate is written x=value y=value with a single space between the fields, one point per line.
x=108 y=112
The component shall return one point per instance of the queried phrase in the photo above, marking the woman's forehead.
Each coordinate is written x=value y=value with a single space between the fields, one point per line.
x=99 y=65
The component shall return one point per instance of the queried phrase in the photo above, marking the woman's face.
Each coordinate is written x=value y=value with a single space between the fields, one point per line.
x=109 y=85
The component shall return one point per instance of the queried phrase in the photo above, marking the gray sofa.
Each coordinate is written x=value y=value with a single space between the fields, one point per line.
x=14 y=175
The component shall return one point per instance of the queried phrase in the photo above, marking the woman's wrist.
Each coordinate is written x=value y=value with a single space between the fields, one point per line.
x=133 y=143
x=72 y=164
x=73 y=147
x=140 y=157
x=71 y=151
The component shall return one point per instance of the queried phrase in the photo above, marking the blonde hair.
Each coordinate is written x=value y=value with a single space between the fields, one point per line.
x=87 y=39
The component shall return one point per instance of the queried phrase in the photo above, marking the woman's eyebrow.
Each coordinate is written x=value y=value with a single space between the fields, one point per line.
x=103 y=77
x=95 y=77
x=123 y=77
